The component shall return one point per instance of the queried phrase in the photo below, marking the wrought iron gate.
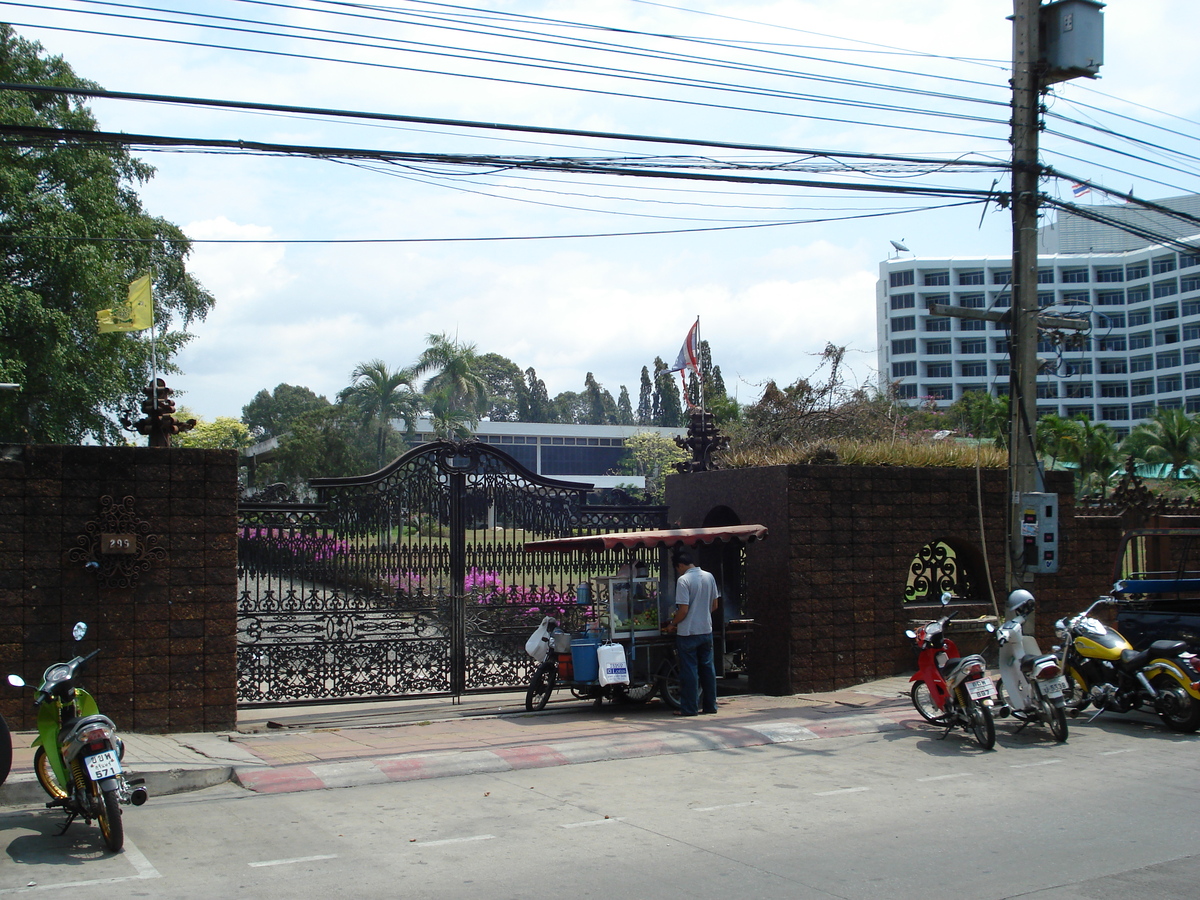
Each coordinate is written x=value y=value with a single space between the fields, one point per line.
x=412 y=580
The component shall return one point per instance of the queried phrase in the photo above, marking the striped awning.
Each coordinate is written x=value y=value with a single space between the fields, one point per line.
x=664 y=537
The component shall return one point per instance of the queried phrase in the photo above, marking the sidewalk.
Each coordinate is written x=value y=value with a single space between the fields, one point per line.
x=312 y=748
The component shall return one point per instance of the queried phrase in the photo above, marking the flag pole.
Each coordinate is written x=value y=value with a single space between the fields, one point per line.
x=700 y=366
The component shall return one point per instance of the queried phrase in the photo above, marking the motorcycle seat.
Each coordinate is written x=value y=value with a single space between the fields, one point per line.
x=949 y=665
x=1131 y=660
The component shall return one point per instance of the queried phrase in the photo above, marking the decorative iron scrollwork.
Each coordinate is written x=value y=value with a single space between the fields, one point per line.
x=934 y=570
x=117 y=544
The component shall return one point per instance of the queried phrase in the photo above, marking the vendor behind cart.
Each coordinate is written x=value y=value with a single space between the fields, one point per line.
x=696 y=598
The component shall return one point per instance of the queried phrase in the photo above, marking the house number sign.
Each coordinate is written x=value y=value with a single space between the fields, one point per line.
x=118 y=543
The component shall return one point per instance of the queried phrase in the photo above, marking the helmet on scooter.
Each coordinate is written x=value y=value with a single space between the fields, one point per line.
x=1020 y=603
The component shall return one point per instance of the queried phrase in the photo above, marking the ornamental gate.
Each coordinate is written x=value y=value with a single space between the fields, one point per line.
x=412 y=580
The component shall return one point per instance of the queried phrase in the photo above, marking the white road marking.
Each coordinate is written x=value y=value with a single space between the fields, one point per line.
x=944 y=777
x=461 y=840
x=839 y=791
x=288 y=862
x=1115 y=752
x=723 y=806
x=592 y=822
x=135 y=857
x=1040 y=762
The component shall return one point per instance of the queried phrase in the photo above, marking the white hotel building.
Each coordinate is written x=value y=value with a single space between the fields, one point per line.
x=1140 y=348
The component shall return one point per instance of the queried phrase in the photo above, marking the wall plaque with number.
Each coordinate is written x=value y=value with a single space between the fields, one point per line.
x=118 y=543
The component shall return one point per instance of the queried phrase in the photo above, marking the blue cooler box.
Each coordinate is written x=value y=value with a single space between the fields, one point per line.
x=583 y=657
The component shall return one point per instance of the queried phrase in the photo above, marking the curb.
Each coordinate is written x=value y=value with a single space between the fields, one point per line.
x=451 y=763
x=24 y=790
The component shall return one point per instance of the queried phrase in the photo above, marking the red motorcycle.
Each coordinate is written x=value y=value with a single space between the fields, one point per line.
x=951 y=690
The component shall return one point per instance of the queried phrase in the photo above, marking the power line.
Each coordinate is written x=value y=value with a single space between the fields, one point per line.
x=490 y=126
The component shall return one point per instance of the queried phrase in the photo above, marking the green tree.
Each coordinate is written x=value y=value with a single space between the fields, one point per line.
x=624 y=408
x=1051 y=434
x=328 y=442
x=270 y=414
x=456 y=382
x=570 y=408
x=601 y=408
x=378 y=395
x=668 y=408
x=652 y=456
x=645 y=407
x=1093 y=447
x=507 y=393
x=979 y=414
x=222 y=433
x=541 y=409
x=73 y=235
x=1170 y=437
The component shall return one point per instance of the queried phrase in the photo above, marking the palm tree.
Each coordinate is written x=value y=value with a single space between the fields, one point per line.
x=380 y=394
x=1169 y=437
x=1052 y=433
x=456 y=386
x=1094 y=447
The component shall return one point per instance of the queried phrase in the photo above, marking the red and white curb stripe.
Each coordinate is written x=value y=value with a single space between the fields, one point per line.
x=443 y=764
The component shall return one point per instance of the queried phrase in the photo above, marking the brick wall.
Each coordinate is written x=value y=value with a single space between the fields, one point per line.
x=826 y=588
x=168 y=640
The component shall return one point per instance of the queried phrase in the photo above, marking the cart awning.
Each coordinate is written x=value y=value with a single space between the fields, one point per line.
x=665 y=537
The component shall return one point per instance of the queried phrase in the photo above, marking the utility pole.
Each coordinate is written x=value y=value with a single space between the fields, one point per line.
x=1023 y=473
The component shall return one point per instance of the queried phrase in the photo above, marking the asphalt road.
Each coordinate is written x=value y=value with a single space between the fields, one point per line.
x=895 y=815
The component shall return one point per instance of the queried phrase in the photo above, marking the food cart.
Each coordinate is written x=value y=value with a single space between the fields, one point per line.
x=630 y=608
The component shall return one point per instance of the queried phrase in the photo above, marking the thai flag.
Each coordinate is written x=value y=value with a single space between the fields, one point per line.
x=689 y=353
x=1079 y=190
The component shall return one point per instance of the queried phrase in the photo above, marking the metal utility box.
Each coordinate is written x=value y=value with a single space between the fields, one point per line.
x=1072 y=39
x=1039 y=532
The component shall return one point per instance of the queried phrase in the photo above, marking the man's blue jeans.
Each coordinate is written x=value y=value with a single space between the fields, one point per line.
x=697 y=676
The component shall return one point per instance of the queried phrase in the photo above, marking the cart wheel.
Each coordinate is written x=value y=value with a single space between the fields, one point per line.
x=668 y=682
x=541 y=687
x=636 y=693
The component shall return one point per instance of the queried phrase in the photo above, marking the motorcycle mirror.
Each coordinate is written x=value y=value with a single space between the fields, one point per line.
x=946 y=598
x=990 y=627
x=908 y=634
x=79 y=630
x=16 y=681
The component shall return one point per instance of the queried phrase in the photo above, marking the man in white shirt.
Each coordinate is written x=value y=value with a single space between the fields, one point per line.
x=696 y=598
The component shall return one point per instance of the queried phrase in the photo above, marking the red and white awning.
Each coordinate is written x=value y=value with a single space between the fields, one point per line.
x=664 y=537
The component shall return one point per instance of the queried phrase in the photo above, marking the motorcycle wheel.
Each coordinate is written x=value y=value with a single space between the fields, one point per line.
x=1176 y=707
x=636 y=693
x=1055 y=715
x=922 y=701
x=668 y=684
x=541 y=687
x=108 y=815
x=45 y=775
x=5 y=750
x=982 y=724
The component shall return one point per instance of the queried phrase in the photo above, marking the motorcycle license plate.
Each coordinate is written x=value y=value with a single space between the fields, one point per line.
x=981 y=688
x=1054 y=687
x=103 y=765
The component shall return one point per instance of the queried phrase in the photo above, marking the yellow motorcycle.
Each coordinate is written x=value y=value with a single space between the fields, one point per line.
x=1103 y=670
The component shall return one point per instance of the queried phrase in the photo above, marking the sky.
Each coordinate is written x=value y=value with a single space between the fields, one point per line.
x=319 y=265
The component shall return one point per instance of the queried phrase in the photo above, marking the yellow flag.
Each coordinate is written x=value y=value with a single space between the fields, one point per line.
x=135 y=315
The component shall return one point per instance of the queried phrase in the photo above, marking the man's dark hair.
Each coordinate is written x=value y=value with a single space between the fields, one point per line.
x=683 y=557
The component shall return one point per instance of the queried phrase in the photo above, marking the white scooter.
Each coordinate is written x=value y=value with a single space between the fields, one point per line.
x=1031 y=682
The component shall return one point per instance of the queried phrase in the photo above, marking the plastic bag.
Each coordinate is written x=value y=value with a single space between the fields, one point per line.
x=613 y=669
x=538 y=644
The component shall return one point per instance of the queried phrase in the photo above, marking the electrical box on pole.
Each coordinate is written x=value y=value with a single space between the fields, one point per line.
x=1039 y=532
x=1071 y=40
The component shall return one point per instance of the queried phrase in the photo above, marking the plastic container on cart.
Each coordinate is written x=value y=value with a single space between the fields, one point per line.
x=566 y=670
x=583 y=657
x=561 y=642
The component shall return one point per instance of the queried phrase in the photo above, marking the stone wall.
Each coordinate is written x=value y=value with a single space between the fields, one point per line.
x=163 y=617
x=826 y=588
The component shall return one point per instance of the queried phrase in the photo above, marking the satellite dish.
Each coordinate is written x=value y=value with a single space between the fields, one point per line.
x=899 y=246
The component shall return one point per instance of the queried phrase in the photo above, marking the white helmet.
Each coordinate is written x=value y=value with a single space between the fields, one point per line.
x=1020 y=603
